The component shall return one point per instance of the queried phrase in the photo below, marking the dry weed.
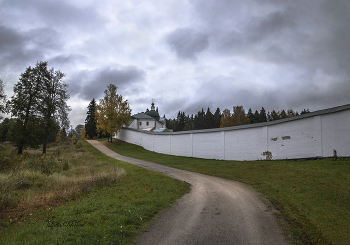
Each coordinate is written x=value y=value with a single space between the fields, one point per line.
x=40 y=180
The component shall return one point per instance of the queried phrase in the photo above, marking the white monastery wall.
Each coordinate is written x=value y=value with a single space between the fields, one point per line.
x=336 y=134
x=181 y=145
x=162 y=144
x=306 y=136
x=294 y=139
x=207 y=145
x=245 y=144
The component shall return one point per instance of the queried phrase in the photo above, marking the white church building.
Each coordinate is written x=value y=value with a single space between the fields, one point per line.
x=149 y=121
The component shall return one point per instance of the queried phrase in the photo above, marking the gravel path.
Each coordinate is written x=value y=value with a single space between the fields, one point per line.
x=216 y=211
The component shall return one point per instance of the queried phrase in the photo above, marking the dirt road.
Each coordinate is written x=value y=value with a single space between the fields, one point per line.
x=216 y=211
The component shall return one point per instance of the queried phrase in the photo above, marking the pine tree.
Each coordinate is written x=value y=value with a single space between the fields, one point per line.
x=250 y=115
x=90 y=121
x=262 y=117
x=180 y=120
x=208 y=120
x=256 y=118
x=304 y=111
x=217 y=118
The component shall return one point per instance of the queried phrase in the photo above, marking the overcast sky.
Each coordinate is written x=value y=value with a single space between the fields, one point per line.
x=184 y=54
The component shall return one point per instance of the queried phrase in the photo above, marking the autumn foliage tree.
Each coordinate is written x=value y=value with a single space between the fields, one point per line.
x=225 y=118
x=112 y=113
x=83 y=133
x=239 y=117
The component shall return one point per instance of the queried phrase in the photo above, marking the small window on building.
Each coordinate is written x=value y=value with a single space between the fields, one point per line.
x=147 y=123
x=140 y=123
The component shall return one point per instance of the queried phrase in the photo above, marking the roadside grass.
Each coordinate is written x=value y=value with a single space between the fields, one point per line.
x=313 y=196
x=112 y=214
x=32 y=180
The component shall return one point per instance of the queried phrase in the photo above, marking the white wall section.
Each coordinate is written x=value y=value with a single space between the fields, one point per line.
x=316 y=134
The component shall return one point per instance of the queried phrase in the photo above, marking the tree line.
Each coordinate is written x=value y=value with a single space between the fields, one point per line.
x=207 y=120
x=38 y=108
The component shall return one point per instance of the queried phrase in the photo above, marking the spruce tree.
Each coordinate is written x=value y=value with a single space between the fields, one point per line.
x=90 y=121
x=263 y=117
x=208 y=119
x=217 y=118
x=250 y=115
x=256 y=118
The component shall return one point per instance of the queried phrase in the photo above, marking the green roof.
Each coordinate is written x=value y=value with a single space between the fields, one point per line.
x=153 y=114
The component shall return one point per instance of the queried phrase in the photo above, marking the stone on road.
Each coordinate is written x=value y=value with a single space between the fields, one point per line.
x=215 y=211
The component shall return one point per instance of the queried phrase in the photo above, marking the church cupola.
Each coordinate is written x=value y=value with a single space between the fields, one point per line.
x=153 y=113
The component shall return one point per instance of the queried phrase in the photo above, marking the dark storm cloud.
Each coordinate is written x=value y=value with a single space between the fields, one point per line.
x=43 y=39
x=11 y=45
x=9 y=39
x=21 y=47
x=187 y=43
x=272 y=53
x=91 y=84
x=304 y=37
x=52 y=13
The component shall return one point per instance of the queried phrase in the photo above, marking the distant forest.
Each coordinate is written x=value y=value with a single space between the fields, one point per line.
x=218 y=119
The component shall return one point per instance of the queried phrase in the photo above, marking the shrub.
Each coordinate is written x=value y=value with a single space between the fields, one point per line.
x=79 y=144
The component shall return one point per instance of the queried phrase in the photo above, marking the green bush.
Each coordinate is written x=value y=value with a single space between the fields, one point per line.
x=79 y=144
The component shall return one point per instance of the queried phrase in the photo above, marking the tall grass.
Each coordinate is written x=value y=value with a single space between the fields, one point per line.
x=33 y=180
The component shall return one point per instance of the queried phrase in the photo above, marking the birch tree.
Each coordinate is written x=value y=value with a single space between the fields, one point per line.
x=112 y=113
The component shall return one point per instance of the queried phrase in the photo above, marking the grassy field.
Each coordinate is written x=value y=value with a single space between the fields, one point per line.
x=110 y=205
x=33 y=180
x=313 y=196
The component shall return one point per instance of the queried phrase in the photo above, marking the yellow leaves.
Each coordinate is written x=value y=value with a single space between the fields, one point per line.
x=60 y=136
x=112 y=113
x=83 y=133
x=238 y=117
